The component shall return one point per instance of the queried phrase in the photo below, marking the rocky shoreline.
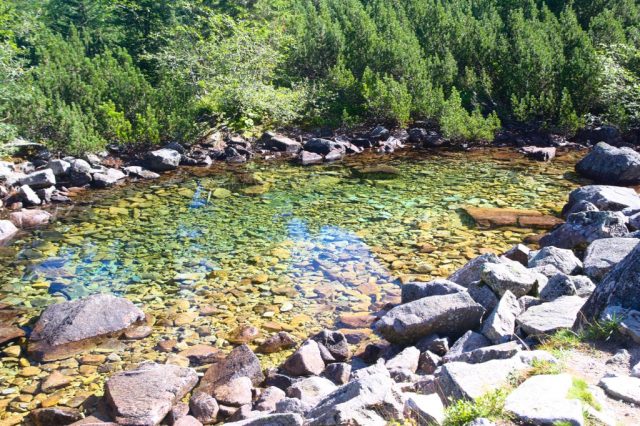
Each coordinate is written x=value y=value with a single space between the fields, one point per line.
x=40 y=179
x=461 y=338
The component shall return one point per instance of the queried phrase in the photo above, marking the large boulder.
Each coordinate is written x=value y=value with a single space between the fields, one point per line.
x=611 y=165
x=564 y=285
x=472 y=271
x=67 y=328
x=618 y=289
x=275 y=142
x=564 y=260
x=240 y=362
x=603 y=255
x=500 y=326
x=586 y=227
x=417 y=290
x=59 y=167
x=323 y=146
x=28 y=196
x=30 y=218
x=460 y=380
x=145 y=395
x=40 y=179
x=108 y=178
x=7 y=230
x=602 y=197
x=163 y=160
x=368 y=401
x=280 y=419
x=79 y=172
x=424 y=409
x=547 y=318
x=509 y=276
x=306 y=361
x=450 y=315
x=335 y=343
x=544 y=400
x=622 y=388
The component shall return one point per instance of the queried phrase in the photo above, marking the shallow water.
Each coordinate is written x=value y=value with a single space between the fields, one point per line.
x=272 y=245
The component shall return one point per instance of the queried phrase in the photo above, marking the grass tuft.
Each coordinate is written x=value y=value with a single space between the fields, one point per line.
x=580 y=391
x=490 y=406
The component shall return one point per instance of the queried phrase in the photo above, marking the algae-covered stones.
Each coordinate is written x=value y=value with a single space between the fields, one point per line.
x=449 y=315
x=67 y=328
x=145 y=395
x=382 y=171
x=163 y=160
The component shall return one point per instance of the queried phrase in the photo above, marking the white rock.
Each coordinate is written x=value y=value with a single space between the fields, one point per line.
x=426 y=410
x=543 y=400
x=311 y=390
x=623 y=388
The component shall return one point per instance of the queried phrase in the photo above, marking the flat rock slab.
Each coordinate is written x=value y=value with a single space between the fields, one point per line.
x=9 y=332
x=543 y=400
x=487 y=218
x=550 y=317
x=447 y=315
x=461 y=380
x=67 y=328
x=623 y=388
x=145 y=395
x=424 y=409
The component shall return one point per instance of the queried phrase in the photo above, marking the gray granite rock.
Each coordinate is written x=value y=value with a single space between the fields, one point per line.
x=603 y=255
x=547 y=318
x=564 y=260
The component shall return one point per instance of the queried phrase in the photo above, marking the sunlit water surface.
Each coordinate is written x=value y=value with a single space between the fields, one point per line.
x=272 y=245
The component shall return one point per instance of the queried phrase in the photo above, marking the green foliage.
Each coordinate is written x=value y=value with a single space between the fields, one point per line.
x=601 y=330
x=386 y=99
x=144 y=71
x=490 y=406
x=457 y=124
x=580 y=391
x=561 y=342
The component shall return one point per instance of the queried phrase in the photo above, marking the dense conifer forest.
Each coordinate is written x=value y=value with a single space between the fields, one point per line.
x=79 y=75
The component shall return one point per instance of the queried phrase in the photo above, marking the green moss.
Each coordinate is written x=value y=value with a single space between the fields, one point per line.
x=490 y=406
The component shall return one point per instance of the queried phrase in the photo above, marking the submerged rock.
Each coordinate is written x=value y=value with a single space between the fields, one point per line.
x=145 y=395
x=451 y=315
x=276 y=343
x=67 y=328
x=611 y=165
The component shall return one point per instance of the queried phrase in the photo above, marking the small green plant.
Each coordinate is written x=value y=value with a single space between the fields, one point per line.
x=490 y=406
x=562 y=341
x=580 y=391
x=538 y=368
x=602 y=330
